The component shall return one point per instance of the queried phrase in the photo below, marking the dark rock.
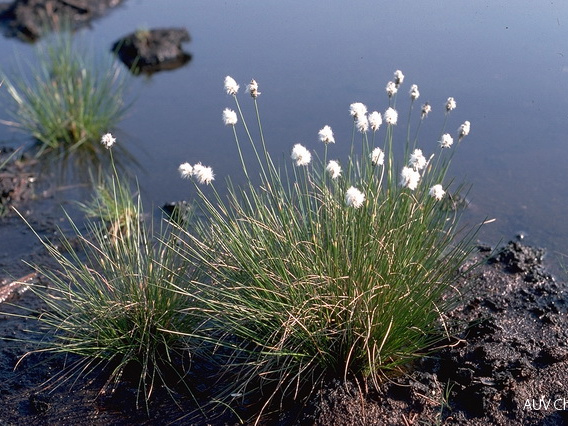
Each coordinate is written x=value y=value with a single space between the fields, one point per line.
x=149 y=51
x=28 y=19
x=179 y=212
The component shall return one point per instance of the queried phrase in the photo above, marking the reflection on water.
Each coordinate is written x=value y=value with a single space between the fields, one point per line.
x=505 y=64
x=85 y=165
x=29 y=20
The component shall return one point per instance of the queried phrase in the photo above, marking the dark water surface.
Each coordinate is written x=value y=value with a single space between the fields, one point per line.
x=505 y=63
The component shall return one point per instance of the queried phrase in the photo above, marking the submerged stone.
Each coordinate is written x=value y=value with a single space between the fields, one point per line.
x=149 y=51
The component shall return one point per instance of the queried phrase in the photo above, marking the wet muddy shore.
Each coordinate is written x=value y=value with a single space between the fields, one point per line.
x=510 y=366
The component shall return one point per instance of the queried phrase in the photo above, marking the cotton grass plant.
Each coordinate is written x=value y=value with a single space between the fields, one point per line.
x=328 y=268
x=113 y=299
x=69 y=96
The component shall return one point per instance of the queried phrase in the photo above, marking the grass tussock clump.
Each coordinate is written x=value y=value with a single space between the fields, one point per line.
x=69 y=96
x=329 y=267
x=114 y=299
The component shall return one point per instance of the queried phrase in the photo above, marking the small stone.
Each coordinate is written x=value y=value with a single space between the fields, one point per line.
x=149 y=51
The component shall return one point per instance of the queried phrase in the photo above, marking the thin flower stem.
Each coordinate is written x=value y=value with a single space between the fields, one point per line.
x=243 y=164
x=365 y=152
x=380 y=183
x=351 y=153
x=269 y=162
x=446 y=164
x=113 y=164
x=416 y=135
x=259 y=125
x=324 y=177
x=389 y=157
x=444 y=125
x=407 y=146
x=250 y=137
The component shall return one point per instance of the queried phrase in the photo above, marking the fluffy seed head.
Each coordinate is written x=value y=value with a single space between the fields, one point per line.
x=301 y=155
x=231 y=86
x=390 y=116
x=377 y=157
x=362 y=123
x=417 y=160
x=414 y=92
x=375 y=120
x=409 y=178
x=204 y=175
x=108 y=140
x=354 y=197
x=446 y=141
x=391 y=89
x=426 y=108
x=334 y=169
x=326 y=135
x=450 y=104
x=463 y=130
x=229 y=117
x=357 y=110
x=252 y=88
x=185 y=170
x=398 y=77
x=437 y=192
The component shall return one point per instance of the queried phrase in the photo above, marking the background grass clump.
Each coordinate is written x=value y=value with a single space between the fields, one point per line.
x=329 y=268
x=114 y=299
x=68 y=96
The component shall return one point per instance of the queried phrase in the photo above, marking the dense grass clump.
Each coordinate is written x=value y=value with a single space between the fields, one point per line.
x=114 y=297
x=342 y=269
x=69 y=96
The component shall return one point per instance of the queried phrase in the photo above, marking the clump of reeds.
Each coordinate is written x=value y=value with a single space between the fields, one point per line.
x=69 y=95
x=114 y=298
x=342 y=268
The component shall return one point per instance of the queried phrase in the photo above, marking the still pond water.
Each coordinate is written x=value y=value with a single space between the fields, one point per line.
x=505 y=63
